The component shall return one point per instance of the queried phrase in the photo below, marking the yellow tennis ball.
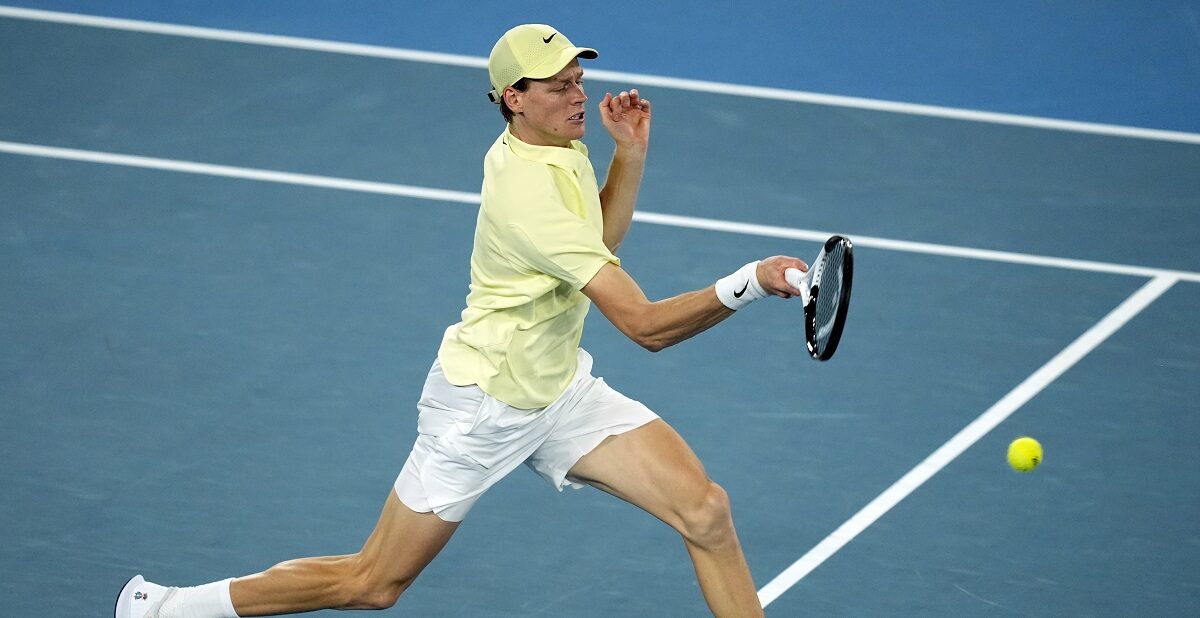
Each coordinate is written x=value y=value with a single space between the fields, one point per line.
x=1024 y=454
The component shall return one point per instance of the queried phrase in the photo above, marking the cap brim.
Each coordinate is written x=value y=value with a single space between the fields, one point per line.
x=554 y=64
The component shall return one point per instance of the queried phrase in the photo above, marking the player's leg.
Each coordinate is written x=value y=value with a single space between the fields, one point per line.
x=654 y=469
x=402 y=544
x=460 y=426
x=436 y=488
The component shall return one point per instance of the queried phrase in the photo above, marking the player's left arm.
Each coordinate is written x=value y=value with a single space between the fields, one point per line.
x=627 y=119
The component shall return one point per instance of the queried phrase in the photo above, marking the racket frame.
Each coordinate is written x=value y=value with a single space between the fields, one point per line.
x=810 y=307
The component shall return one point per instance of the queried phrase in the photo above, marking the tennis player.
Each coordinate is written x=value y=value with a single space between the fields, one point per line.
x=511 y=385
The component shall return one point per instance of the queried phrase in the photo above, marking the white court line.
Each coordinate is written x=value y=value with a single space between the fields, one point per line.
x=236 y=36
x=636 y=79
x=908 y=246
x=464 y=197
x=226 y=171
x=978 y=428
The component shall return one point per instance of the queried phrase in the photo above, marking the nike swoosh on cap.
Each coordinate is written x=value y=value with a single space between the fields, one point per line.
x=547 y=39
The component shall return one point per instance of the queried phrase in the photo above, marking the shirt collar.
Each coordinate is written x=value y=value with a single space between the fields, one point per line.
x=573 y=158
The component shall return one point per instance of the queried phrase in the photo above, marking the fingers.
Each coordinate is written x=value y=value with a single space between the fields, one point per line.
x=636 y=101
x=777 y=282
x=606 y=106
x=800 y=265
x=625 y=101
x=628 y=99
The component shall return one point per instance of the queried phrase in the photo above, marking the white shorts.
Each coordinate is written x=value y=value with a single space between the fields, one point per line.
x=469 y=440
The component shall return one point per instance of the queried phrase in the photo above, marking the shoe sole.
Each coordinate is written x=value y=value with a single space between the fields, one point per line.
x=121 y=608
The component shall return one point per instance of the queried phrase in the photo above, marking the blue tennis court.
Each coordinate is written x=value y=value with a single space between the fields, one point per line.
x=227 y=259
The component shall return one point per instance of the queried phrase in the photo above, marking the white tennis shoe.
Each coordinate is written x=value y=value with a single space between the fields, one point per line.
x=141 y=599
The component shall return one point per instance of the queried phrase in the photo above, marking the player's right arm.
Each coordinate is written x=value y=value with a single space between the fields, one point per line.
x=656 y=325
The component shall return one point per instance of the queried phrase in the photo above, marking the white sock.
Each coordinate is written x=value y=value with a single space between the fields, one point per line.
x=207 y=601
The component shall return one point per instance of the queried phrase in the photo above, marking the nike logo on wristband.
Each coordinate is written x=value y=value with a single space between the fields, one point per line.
x=743 y=291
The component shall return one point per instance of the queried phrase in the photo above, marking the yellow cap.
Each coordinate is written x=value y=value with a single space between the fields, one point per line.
x=535 y=51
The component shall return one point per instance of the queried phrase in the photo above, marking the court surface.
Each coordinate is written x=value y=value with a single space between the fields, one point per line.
x=226 y=264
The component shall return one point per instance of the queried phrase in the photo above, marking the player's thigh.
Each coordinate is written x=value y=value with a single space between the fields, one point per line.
x=403 y=542
x=651 y=467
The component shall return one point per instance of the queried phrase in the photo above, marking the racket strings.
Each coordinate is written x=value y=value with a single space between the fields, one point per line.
x=826 y=288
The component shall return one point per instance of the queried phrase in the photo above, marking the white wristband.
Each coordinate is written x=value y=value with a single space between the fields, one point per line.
x=740 y=288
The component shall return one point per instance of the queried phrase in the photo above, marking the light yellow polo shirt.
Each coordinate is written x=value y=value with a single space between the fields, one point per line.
x=539 y=239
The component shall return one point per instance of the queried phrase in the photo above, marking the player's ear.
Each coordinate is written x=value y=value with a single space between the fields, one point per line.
x=513 y=98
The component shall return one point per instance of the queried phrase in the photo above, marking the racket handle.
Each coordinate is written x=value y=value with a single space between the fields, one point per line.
x=799 y=280
x=795 y=278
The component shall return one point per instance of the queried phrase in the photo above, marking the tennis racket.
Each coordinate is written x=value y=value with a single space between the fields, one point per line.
x=825 y=291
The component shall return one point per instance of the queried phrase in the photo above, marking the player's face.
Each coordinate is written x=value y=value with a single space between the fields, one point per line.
x=551 y=111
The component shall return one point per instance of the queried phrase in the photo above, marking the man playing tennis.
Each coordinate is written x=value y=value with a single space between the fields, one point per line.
x=511 y=384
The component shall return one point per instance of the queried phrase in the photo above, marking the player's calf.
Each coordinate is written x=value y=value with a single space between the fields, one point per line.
x=352 y=581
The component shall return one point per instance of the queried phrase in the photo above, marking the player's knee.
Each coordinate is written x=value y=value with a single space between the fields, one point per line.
x=366 y=594
x=708 y=520
x=363 y=591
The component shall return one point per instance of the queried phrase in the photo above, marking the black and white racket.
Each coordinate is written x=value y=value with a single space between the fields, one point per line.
x=825 y=291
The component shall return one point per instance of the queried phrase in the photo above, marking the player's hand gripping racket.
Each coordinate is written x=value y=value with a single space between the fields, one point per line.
x=825 y=291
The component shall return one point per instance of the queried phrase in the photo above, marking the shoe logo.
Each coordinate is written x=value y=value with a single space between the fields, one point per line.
x=547 y=39
x=739 y=294
x=140 y=596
